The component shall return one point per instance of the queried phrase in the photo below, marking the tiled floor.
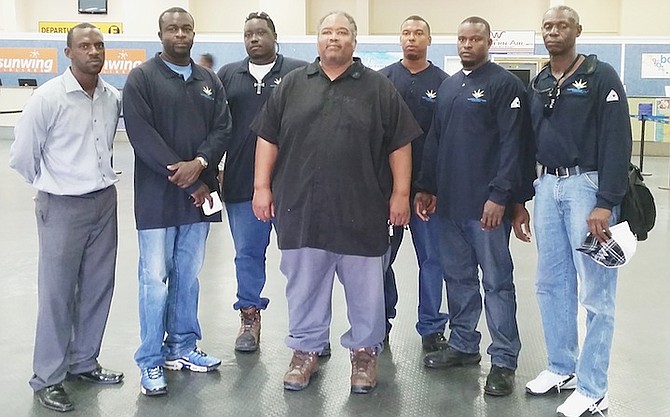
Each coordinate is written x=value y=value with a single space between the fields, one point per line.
x=250 y=384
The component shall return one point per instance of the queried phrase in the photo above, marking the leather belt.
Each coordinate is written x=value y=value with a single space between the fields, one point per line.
x=562 y=171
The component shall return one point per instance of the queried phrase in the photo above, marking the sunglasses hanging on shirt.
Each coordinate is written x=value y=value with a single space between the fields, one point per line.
x=553 y=92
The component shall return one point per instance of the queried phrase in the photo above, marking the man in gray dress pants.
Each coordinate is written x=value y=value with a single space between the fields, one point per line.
x=63 y=147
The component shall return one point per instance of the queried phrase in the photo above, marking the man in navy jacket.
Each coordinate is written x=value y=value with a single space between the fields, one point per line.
x=472 y=171
x=179 y=126
x=417 y=81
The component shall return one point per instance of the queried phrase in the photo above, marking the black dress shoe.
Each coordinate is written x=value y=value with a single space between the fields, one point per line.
x=434 y=342
x=54 y=397
x=450 y=357
x=101 y=375
x=500 y=381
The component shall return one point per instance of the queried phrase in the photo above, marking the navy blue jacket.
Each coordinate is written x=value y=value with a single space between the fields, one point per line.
x=420 y=93
x=170 y=120
x=589 y=127
x=472 y=151
x=245 y=99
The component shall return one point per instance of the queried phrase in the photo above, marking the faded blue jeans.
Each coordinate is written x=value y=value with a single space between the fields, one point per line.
x=565 y=276
x=170 y=261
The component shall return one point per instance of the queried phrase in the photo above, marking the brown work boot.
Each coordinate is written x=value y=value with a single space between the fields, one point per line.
x=250 y=330
x=303 y=365
x=363 y=370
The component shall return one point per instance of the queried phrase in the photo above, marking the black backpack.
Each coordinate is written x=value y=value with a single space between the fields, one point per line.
x=637 y=206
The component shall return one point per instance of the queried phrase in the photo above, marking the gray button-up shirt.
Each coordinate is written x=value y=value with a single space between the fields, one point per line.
x=64 y=138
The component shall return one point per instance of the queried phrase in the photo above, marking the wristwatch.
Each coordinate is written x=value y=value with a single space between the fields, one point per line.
x=202 y=161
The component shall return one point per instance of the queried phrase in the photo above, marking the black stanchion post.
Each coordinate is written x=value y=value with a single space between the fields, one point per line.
x=644 y=111
x=643 y=118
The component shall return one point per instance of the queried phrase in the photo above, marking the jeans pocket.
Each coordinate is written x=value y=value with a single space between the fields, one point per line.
x=592 y=179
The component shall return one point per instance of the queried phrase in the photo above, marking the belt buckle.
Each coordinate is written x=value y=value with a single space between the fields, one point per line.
x=563 y=172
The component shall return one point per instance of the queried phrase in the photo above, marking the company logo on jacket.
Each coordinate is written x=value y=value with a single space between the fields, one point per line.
x=276 y=82
x=429 y=96
x=477 y=96
x=207 y=92
x=579 y=88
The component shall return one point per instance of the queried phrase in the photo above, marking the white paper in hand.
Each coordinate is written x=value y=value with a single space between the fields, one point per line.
x=215 y=207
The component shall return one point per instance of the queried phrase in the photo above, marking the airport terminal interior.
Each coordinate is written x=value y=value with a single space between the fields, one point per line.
x=250 y=384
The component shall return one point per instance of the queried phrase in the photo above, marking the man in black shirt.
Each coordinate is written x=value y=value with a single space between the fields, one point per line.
x=333 y=167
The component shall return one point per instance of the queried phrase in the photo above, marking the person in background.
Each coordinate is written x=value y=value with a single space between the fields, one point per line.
x=581 y=125
x=206 y=60
x=179 y=125
x=63 y=147
x=333 y=168
x=418 y=81
x=248 y=84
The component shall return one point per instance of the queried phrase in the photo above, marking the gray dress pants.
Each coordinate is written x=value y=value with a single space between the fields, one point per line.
x=75 y=280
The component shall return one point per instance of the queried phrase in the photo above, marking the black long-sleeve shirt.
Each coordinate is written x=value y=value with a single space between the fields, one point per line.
x=169 y=119
x=472 y=151
x=589 y=126
x=245 y=98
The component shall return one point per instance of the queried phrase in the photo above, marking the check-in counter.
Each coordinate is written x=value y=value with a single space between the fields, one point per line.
x=12 y=101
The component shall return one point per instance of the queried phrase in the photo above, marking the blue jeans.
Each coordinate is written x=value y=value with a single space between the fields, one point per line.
x=170 y=260
x=251 y=238
x=390 y=287
x=465 y=247
x=564 y=276
x=425 y=236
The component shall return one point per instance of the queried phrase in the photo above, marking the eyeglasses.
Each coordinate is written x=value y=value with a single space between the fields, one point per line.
x=553 y=92
x=552 y=97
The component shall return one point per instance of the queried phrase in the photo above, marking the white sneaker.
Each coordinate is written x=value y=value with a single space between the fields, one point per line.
x=577 y=404
x=548 y=381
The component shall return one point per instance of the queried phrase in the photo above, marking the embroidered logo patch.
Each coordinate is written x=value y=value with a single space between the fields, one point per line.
x=477 y=96
x=275 y=83
x=207 y=92
x=612 y=96
x=578 y=87
x=515 y=104
x=429 y=96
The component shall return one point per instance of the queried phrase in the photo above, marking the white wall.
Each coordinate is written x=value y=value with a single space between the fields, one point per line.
x=378 y=17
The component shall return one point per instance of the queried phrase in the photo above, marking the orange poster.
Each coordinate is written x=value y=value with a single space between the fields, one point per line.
x=29 y=60
x=121 y=61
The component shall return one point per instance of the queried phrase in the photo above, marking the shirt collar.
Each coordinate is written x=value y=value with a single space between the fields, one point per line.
x=71 y=83
x=196 y=70
x=354 y=71
x=244 y=65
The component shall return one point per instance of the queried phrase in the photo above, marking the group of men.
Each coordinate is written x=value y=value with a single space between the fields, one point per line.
x=334 y=155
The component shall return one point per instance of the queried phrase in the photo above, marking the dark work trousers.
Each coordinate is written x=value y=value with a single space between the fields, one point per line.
x=75 y=280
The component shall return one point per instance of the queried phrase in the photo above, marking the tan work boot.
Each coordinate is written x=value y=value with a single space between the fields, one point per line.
x=250 y=330
x=303 y=365
x=363 y=370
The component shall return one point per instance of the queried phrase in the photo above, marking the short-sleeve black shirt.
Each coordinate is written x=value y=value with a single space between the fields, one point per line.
x=332 y=179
